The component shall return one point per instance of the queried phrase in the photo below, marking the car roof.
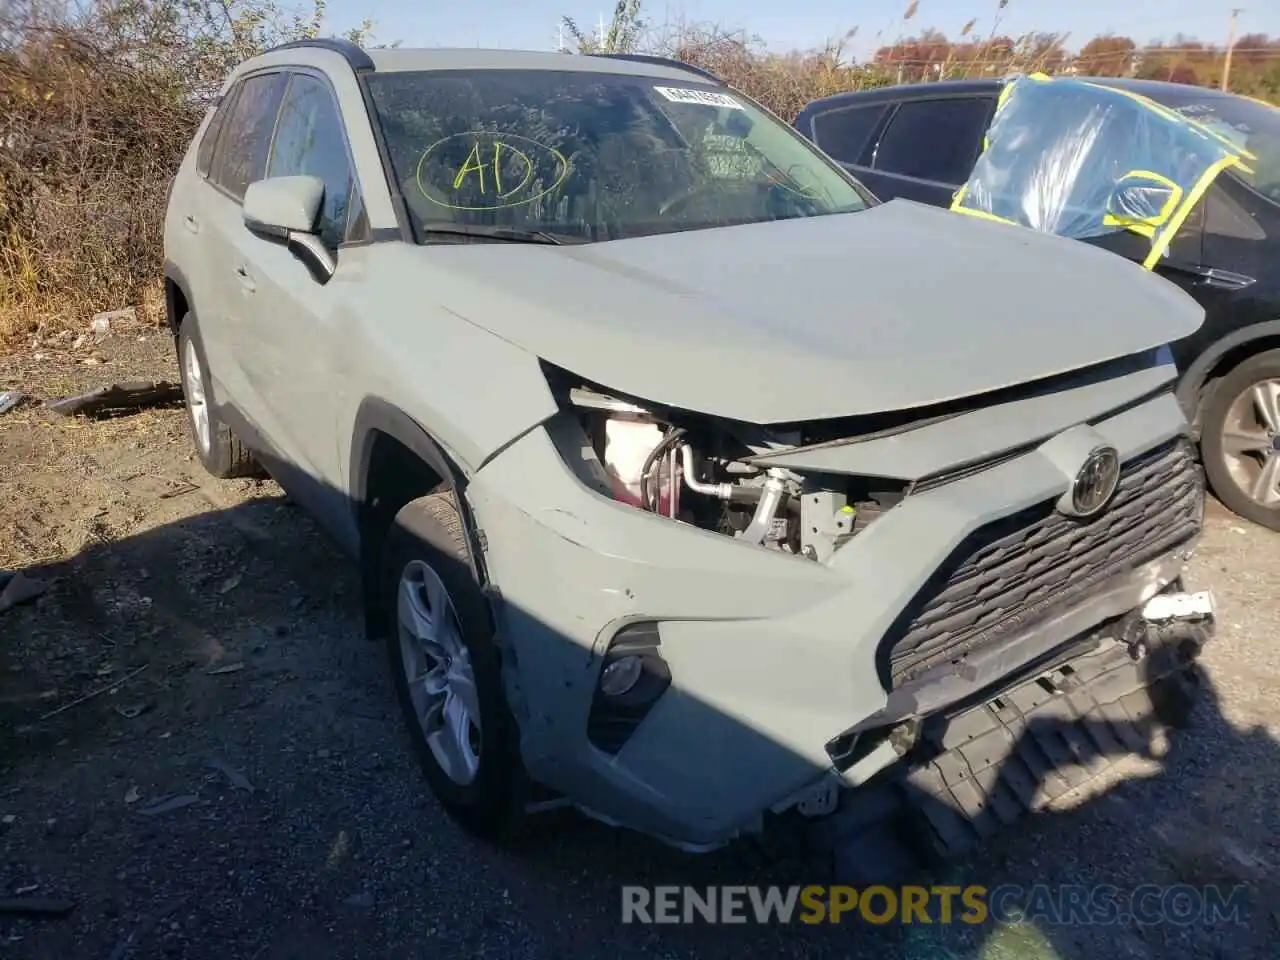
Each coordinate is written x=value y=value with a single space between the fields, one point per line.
x=1163 y=91
x=1158 y=90
x=444 y=58
x=944 y=88
x=402 y=59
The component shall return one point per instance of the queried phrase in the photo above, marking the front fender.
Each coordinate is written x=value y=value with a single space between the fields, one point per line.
x=1193 y=379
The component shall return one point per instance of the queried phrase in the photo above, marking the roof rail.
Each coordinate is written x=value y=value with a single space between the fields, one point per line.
x=661 y=62
x=359 y=60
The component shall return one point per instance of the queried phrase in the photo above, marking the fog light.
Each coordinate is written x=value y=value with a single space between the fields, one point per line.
x=620 y=676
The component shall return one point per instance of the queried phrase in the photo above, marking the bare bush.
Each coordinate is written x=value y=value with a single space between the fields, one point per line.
x=98 y=101
x=90 y=143
x=783 y=83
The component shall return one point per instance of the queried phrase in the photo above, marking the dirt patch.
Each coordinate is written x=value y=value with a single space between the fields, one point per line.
x=199 y=750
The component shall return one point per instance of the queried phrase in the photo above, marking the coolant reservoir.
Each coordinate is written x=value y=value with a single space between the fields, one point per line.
x=627 y=445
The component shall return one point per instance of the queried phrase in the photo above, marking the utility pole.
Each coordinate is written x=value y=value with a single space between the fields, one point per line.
x=600 y=34
x=1231 y=43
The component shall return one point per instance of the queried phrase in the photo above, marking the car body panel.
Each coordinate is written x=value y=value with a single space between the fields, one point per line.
x=774 y=654
x=984 y=433
x=705 y=320
x=771 y=654
x=474 y=392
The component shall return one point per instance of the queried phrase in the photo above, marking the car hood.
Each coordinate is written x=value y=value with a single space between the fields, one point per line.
x=898 y=306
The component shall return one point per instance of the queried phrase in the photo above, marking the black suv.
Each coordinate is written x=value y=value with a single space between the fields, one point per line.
x=920 y=142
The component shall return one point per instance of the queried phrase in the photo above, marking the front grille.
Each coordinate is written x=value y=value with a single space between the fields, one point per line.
x=1009 y=574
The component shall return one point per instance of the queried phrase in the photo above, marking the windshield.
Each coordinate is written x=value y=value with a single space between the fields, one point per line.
x=1246 y=123
x=594 y=157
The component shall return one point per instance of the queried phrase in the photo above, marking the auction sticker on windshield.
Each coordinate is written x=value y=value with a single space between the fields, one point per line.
x=708 y=98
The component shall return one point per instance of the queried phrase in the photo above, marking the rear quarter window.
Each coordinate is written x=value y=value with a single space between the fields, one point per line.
x=209 y=141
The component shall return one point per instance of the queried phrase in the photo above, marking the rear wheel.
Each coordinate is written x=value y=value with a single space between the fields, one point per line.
x=447 y=670
x=220 y=451
x=1240 y=440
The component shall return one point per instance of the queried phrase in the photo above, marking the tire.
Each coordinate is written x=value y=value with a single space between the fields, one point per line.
x=220 y=451
x=427 y=540
x=1222 y=414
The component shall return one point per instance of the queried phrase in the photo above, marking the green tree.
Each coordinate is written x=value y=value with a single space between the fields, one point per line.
x=622 y=34
x=1107 y=56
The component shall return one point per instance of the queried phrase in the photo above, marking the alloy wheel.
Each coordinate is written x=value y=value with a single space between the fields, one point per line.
x=438 y=672
x=1251 y=442
x=197 y=400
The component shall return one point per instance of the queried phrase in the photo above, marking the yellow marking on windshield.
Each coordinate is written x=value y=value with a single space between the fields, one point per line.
x=476 y=165
x=493 y=169
x=473 y=164
x=497 y=169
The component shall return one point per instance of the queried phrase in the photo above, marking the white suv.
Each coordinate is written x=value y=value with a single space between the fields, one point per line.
x=687 y=482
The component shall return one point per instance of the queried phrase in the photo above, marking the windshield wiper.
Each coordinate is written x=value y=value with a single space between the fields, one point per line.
x=503 y=234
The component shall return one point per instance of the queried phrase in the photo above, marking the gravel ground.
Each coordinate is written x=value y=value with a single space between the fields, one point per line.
x=244 y=788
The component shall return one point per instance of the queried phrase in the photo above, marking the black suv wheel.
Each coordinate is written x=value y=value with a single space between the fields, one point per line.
x=1240 y=440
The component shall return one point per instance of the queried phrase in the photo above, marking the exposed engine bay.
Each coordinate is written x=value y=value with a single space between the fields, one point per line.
x=699 y=471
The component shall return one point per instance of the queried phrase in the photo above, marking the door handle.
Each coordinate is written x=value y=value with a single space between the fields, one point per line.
x=191 y=223
x=246 y=281
x=1214 y=277
x=1225 y=279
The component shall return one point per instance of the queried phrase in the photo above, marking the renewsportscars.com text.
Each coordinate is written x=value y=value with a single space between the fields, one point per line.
x=1061 y=904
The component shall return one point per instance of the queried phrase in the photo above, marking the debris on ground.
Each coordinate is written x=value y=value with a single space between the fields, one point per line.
x=94 y=693
x=127 y=945
x=131 y=711
x=11 y=400
x=36 y=906
x=179 y=490
x=167 y=804
x=101 y=322
x=118 y=398
x=225 y=668
x=361 y=901
x=234 y=776
x=18 y=589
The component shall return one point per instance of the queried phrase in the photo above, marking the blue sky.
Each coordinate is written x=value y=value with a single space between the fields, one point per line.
x=531 y=24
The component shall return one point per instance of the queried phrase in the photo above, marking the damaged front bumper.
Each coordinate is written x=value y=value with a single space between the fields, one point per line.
x=767 y=662
x=1044 y=741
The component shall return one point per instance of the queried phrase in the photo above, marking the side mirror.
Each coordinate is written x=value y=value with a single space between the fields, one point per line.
x=1142 y=202
x=286 y=208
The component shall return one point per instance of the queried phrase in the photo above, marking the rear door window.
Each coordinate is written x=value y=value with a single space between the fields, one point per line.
x=937 y=140
x=843 y=133
x=241 y=156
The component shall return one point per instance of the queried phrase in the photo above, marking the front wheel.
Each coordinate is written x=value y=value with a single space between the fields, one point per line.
x=1240 y=439
x=447 y=669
